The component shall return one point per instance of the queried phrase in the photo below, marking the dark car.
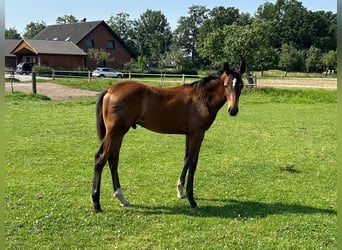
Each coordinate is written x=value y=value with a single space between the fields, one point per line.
x=24 y=68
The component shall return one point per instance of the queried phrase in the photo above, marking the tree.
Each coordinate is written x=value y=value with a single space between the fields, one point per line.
x=323 y=31
x=121 y=25
x=124 y=28
x=236 y=43
x=186 y=34
x=291 y=59
x=329 y=60
x=12 y=33
x=99 y=55
x=152 y=35
x=293 y=23
x=290 y=22
x=265 y=58
x=66 y=19
x=175 y=58
x=313 y=59
x=33 y=28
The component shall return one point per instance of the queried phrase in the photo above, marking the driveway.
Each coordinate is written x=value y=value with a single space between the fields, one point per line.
x=52 y=90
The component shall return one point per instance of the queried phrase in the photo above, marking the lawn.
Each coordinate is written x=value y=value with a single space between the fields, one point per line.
x=266 y=179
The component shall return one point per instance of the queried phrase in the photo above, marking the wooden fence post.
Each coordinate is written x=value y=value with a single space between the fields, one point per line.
x=12 y=79
x=34 y=82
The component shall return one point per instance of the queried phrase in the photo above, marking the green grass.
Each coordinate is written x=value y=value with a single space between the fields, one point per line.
x=266 y=179
x=99 y=84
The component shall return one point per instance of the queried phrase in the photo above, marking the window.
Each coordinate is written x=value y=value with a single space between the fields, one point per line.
x=110 y=44
x=90 y=43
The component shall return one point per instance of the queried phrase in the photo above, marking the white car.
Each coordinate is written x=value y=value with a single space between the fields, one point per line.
x=107 y=72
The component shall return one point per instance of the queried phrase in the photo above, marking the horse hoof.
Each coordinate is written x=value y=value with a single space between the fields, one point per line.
x=193 y=205
x=98 y=210
x=181 y=196
x=125 y=204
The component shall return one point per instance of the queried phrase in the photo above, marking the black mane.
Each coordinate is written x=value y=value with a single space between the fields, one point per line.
x=202 y=82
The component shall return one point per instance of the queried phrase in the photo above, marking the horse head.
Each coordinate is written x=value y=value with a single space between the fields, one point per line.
x=233 y=85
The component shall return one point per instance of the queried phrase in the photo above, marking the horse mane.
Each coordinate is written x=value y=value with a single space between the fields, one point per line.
x=203 y=82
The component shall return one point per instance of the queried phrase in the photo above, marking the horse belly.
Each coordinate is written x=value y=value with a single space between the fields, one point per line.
x=161 y=119
x=164 y=123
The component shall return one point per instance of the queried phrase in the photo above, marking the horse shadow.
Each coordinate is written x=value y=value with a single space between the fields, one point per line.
x=234 y=209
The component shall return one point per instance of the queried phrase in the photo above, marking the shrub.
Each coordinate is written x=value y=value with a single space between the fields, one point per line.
x=42 y=70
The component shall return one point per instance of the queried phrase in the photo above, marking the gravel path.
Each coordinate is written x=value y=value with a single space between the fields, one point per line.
x=52 y=90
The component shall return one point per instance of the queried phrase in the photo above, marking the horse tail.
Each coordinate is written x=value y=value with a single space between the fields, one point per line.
x=101 y=128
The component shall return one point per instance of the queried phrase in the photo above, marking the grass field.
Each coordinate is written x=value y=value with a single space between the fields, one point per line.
x=266 y=179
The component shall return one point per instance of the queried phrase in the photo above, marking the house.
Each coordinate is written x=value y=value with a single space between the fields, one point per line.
x=95 y=34
x=10 y=59
x=55 y=54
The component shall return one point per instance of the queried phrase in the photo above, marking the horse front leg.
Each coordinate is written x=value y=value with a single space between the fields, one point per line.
x=181 y=181
x=100 y=161
x=195 y=142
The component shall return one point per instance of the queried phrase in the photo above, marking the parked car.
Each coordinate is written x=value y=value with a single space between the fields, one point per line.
x=24 y=68
x=107 y=72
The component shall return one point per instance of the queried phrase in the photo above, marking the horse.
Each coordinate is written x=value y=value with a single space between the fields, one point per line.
x=189 y=109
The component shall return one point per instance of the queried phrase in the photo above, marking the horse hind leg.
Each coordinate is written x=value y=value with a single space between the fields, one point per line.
x=113 y=165
x=100 y=161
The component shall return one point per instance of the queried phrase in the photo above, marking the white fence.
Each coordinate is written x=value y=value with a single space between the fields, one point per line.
x=162 y=78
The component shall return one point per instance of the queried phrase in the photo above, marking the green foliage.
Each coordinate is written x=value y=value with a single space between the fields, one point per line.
x=313 y=59
x=153 y=36
x=238 y=42
x=293 y=23
x=33 y=28
x=122 y=25
x=291 y=59
x=249 y=183
x=186 y=35
x=12 y=33
x=99 y=55
x=42 y=70
x=329 y=59
x=66 y=19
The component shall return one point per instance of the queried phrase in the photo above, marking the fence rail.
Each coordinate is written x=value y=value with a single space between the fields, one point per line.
x=162 y=77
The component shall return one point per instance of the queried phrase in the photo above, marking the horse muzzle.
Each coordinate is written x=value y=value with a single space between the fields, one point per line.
x=233 y=111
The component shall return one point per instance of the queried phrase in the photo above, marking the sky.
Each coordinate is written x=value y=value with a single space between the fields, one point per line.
x=18 y=16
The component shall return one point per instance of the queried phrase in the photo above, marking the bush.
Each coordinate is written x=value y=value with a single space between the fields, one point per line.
x=42 y=70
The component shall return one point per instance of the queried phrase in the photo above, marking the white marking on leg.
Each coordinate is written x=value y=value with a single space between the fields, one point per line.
x=119 y=195
x=180 y=192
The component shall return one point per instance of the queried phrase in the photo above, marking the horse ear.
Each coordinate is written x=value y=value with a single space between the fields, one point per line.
x=242 y=68
x=226 y=67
